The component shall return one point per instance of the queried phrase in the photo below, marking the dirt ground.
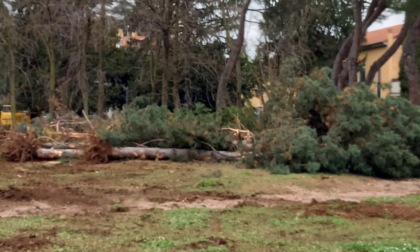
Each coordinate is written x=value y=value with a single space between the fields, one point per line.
x=57 y=189
x=36 y=189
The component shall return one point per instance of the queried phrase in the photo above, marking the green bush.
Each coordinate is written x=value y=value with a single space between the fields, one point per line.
x=339 y=131
x=154 y=126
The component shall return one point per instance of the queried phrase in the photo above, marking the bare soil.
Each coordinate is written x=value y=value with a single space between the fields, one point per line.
x=27 y=243
x=40 y=193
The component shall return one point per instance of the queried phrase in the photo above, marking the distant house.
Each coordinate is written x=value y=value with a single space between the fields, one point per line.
x=129 y=38
x=374 y=46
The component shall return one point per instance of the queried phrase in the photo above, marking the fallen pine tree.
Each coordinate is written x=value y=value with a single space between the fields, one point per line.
x=143 y=153
x=21 y=147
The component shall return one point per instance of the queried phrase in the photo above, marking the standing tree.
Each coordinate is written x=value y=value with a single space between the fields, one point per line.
x=233 y=58
x=411 y=52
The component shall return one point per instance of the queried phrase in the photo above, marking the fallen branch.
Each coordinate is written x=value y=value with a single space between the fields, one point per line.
x=144 y=153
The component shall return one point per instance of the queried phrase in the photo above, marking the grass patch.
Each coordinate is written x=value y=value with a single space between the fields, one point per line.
x=158 y=245
x=118 y=208
x=209 y=184
x=182 y=218
x=411 y=199
x=329 y=220
x=382 y=247
x=12 y=226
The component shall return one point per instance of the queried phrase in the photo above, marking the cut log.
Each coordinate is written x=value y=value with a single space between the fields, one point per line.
x=145 y=153
x=62 y=145
x=52 y=154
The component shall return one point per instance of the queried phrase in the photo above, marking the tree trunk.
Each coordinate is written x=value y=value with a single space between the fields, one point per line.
x=239 y=102
x=233 y=58
x=166 y=33
x=144 y=153
x=85 y=37
x=388 y=53
x=354 y=51
x=153 y=64
x=410 y=63
x=339 y=73
x=176 y=76
x=165 y=75
x=12 y=83
x=53 y=76
x=84 y=87
x=101 y=72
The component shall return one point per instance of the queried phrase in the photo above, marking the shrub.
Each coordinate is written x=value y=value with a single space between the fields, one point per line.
x=327 y=130
x=154 y=126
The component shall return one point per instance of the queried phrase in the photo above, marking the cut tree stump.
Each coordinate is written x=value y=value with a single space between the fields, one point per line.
x=144 y=153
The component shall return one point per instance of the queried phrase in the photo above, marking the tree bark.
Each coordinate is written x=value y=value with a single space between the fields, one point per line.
x=166 y=33
x=53 y=76
x=239 y=102
x=144 y=153
x=85 y=37
x=83 y=82
x=388 y=53
x=176 y=76
x=101 y=72
x=233 y=58
x=410 y=63
x=12 y=83
x=153 y=64
x=354 y=51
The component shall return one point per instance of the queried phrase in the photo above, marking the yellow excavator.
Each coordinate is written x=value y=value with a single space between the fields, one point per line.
x=6 y=117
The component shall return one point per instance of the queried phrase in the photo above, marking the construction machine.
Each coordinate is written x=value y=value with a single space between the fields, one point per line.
x=6 y=117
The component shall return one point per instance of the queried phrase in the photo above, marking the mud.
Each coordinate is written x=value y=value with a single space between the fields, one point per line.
x=41 y=193
x=211 y=241
x=27 y=243
x=364 y=210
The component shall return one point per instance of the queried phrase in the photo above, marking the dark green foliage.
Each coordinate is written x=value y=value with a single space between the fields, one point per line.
x=359 y=133
x=154 y=126
x=289 y=148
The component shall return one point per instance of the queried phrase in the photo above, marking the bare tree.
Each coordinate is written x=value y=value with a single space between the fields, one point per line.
x=340 y=74
x=101 y=50
x=233 y=58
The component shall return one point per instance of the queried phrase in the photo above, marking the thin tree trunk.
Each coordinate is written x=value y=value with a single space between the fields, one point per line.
x=53 y=76
x=354 y=51
x=239 y=102
x=101 y=72
x=233 y=58
x=410 y=64
x=176 y=76
x=83 y=79
x=12 y=83
x=388 y=53
x=153 y=74
x=375 y=9
x=166 y=32
x=165 y=75
x=85 y=37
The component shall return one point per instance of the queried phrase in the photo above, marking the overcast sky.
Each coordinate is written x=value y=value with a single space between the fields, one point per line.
x=390 y=20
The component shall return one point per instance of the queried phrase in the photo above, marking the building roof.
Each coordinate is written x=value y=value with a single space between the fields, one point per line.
x=381 y=35
x=134 y=38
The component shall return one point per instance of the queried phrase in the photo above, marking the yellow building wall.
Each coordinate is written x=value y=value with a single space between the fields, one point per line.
x=389 y=71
